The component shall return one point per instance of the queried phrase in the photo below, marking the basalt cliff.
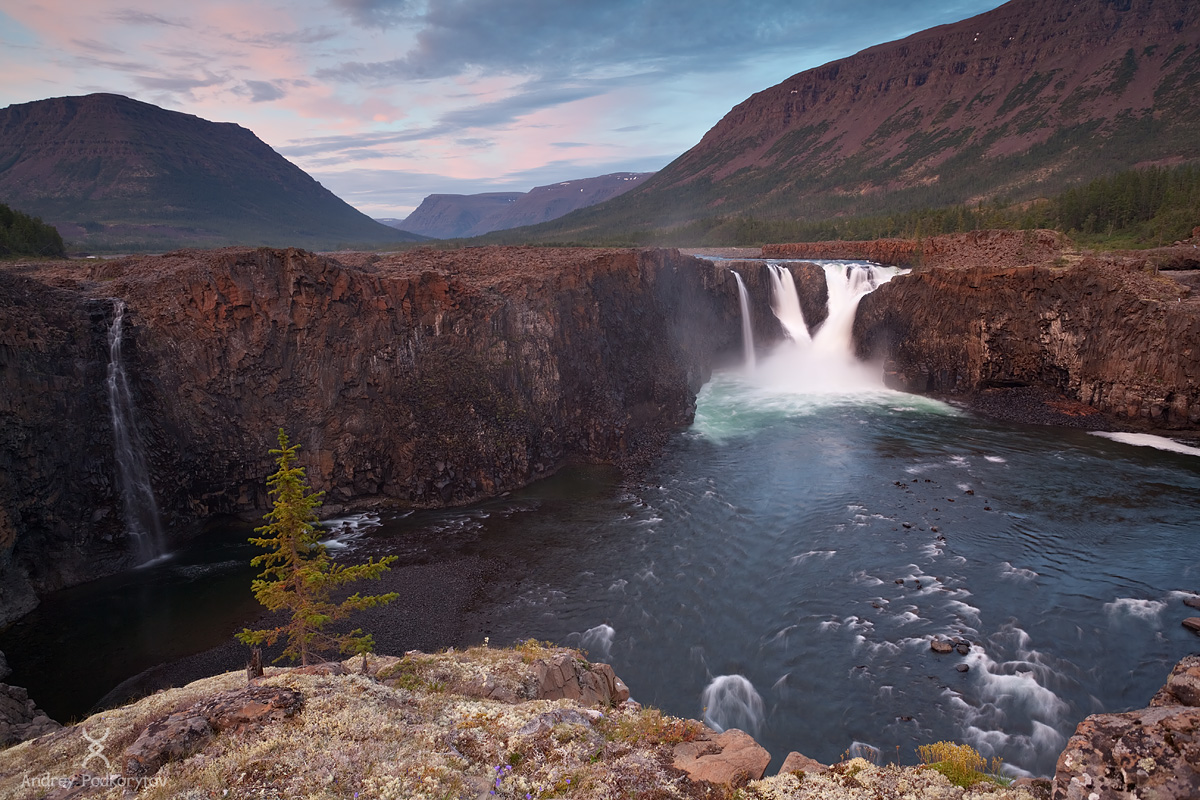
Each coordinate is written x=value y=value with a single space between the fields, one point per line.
x=415 y=380
x=430 y=378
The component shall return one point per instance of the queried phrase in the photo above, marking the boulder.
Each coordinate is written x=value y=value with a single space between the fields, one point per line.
x=732 y=758
x=177 y=735
x=940 y=645
x=798 y=762
x=1154 y=752
x=1192 y=624
x=1151 y=752
x=20 y=718
x=1183 y=685
x=587 y=684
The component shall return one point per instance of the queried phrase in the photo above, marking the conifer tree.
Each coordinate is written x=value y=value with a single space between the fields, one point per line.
x=298 y=575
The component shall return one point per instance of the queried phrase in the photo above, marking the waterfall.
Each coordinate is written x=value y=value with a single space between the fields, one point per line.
x=133 y=477
x=785 y=302
x=825 y=361
x=747 y=325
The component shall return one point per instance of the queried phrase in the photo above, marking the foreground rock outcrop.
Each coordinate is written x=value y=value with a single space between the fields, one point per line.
x=464 y=724
x=1149 y=753
x=421 y=379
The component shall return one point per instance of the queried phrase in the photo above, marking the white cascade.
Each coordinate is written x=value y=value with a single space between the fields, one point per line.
x=731 y=701
x=133 y=476
x=785 y=302
x=747 y=323
x=826 y=362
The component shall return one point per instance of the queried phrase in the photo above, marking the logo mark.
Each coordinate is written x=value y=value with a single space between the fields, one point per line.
x=96 y=748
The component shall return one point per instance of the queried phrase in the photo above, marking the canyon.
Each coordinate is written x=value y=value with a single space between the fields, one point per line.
x=439 y=378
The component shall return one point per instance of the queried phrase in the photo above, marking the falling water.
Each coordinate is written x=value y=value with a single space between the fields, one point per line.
x=133 y=477
x=824 y=363
x=847 y=284
x=785 y=302
x=747 y=327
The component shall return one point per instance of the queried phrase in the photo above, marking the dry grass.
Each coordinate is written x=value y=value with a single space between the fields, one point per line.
x=424 y=727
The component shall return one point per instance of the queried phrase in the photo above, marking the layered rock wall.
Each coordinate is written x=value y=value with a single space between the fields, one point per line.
x=985 y=248
x=1110 y=335
x=416 y=380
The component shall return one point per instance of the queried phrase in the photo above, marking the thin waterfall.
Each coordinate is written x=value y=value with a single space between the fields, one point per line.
x=133 y=477
x=747 y=325
x=785 y=302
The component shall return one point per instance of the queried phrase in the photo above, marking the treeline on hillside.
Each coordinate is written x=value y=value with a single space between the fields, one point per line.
x=1144 y=207
x=23 y=235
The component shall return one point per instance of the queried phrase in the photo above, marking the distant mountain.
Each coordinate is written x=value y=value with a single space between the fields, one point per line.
x=452 y=216
x=1018 y=102
x=114 y=173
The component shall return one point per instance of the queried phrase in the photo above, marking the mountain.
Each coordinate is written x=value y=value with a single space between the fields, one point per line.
x=1018 y=102
x=116 y=173
x=451 y=216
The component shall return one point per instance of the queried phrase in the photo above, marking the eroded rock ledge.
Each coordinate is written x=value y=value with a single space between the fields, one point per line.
x=420 y=379
x=534 y=721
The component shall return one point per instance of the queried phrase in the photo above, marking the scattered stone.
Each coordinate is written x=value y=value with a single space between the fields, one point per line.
x=962 y=648
x=20 y=718
x=732 y=758
x=934 y=528
x=565 y=677
x=962 y=667
x=1191 y=601
x=798 y=762
x=906 y=524
x=1040 y=788
x=1192 y=624
x=939 y=645
x=177 y=735
x=970 y=491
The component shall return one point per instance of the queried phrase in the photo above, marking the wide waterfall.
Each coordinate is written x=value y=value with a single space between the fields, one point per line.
x=133 y=476
x=823 y=362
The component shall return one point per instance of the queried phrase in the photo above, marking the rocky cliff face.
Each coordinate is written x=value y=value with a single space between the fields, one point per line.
x=985 y=248
x=1111 y=334
x=415 y=380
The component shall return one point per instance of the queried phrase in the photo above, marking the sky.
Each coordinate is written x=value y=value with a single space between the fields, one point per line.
x=387 y=101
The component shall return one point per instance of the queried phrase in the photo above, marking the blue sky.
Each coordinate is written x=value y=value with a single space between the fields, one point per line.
x=386 y=101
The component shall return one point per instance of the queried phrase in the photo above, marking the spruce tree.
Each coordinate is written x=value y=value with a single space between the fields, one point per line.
x=298 y=575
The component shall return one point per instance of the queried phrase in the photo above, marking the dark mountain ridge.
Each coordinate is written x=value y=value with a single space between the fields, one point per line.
x=112 y=172
x=451 y=216
x=1021 y=101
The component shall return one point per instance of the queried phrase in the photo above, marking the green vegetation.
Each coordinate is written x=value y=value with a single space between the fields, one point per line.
x=1135 y=208
x=23 y=235
x=298 y=575
x=960 y=763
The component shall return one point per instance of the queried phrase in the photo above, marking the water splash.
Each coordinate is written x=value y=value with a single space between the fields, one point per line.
x=598 y=642
x=138 y=506
x=747 y=323
x=730 y=701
